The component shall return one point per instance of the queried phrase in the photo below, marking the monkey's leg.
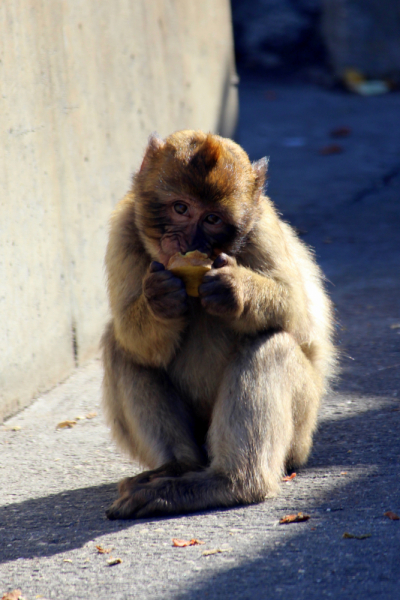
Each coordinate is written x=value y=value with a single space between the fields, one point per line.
x=267 y=412
x=251 y=434
x=147 y=417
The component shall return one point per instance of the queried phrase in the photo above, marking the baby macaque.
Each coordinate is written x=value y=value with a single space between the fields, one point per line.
x=212 y=383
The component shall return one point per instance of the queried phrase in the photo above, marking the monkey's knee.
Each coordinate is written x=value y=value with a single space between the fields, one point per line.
x=265 y=414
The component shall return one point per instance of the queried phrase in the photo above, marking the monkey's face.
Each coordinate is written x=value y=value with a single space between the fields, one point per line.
x=189 y=224
x=196 y=192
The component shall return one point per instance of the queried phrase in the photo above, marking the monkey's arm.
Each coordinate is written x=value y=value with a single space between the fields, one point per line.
x=266 y=290
x=269 y=302
x=150 y=338
x=251 y=302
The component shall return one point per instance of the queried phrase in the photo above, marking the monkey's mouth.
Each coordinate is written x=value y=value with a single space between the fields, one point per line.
x=170 y=244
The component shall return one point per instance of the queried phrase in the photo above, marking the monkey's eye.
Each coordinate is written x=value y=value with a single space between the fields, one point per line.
x=180 y=208
x=213 y=220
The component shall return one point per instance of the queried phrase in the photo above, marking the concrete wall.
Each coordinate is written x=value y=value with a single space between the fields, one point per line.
x=83 y=84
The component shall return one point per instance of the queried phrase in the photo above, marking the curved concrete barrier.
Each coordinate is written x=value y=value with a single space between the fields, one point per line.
x=83 y=85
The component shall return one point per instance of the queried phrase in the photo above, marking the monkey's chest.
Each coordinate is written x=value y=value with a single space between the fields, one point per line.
x=198 y=367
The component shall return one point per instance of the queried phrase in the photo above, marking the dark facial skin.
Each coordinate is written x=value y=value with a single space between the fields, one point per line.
x=192 y=227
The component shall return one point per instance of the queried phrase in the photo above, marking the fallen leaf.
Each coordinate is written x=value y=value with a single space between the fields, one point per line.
x=102 y=550
x=183 y=543
x=330 y=149
x=341 y=132
x=215 y=551
x=391 y=515
x=14 y=595
x=363 y=536
x=289 y=477
x=294 y=518
x=343 y=472
x=65 y=424
x=114 y=561
x=91 y=415
x=395 y=326
x=16 y=428
x=80 y=418
x=67 y=560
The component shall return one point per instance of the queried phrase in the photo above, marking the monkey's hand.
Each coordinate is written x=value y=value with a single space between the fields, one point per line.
x=164 y=292
x=221 y=292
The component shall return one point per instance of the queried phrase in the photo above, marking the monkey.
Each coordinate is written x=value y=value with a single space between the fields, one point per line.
x=216 y=395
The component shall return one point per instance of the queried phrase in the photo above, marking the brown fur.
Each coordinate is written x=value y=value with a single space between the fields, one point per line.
x=216 y=396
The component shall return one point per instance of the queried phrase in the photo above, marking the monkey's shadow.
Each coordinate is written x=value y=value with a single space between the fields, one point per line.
x=61 y=522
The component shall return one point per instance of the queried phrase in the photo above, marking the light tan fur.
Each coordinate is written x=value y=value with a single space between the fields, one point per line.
x=248 y=384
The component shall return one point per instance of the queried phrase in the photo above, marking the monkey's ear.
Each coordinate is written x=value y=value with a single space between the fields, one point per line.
x=260 y=168
x=155 y=144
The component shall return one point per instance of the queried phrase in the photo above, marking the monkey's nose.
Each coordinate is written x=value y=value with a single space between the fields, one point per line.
x=204 y=248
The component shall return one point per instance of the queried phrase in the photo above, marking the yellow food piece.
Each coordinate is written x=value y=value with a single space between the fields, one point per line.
x=191 y=268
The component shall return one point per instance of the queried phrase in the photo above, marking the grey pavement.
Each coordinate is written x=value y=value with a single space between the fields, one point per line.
x=56 y=483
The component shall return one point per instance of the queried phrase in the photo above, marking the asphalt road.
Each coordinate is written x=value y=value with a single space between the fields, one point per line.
x=56 y=484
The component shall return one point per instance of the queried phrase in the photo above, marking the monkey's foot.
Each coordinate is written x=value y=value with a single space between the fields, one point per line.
x=171 y=469
x=167 y=496
x=139 y=500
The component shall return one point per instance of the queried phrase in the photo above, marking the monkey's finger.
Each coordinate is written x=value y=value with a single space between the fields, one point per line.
x=220 y=261
x=156 y=266
x=157 y=507
x=162 y=282
x=211 y=285
x=223 y=260
x=130 y=503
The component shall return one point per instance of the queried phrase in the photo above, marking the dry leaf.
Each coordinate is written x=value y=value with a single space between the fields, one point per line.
x=349 y=536
x=80 y=418
x=341 y=132
x=65 y=424
x=183 y=543
x=14 y=595
x=114 y=561
x=289 y=477
x=16 y=428
x=67 y=560
x=391 y=515
x=294 y=518
x=343 y=472
x=331 y=149
x=215 y=551
x=91 y=415
x=102 y=550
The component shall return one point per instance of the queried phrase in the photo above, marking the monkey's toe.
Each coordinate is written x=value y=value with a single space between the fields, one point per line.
x=129 y=483
x=129 y=503
x=142 y=502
